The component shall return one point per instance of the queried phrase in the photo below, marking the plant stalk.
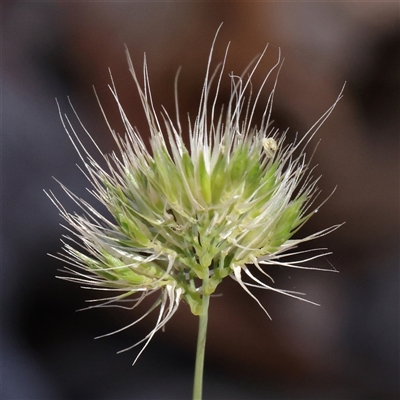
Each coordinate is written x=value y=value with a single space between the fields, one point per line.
x=201 y=345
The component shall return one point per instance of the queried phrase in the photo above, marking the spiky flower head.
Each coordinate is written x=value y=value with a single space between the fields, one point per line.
x=183 y=218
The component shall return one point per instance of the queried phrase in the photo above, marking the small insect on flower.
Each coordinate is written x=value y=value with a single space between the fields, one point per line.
x=270 y=146
x=183 y=218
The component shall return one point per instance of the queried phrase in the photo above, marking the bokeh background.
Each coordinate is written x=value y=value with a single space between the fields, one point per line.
x=348 y=348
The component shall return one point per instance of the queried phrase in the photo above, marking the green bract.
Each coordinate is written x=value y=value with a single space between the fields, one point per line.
x=183 y=218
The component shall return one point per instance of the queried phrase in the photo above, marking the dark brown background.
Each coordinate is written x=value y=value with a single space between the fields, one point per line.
x=346 y=349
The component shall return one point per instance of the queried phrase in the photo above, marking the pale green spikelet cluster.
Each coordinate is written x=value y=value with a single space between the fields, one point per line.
x=183 y=218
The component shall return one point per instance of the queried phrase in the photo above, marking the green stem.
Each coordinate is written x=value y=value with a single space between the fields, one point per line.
x=201 y=345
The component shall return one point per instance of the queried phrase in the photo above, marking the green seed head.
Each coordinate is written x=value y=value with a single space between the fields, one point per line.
x=183 y=218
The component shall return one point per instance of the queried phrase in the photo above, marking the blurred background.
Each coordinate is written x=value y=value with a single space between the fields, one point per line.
x=348 y=348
